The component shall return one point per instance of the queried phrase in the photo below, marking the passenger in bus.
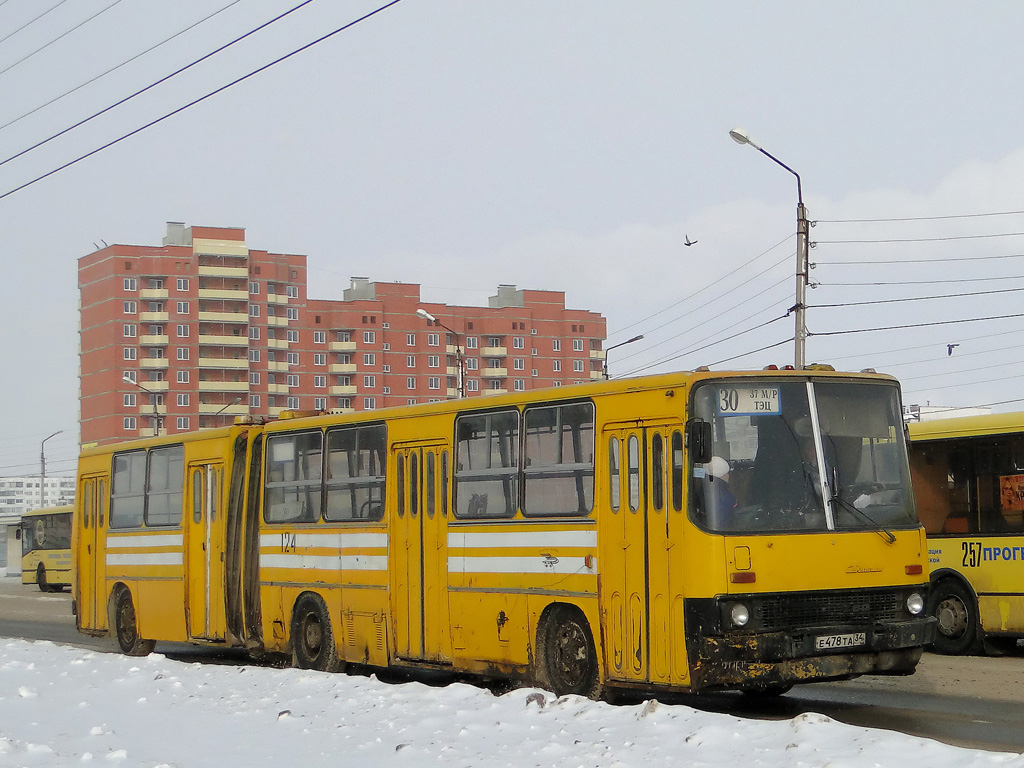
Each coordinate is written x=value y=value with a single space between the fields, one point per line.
x=718 y=498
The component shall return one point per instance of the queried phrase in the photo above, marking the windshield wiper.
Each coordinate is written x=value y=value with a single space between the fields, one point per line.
x=836 y=499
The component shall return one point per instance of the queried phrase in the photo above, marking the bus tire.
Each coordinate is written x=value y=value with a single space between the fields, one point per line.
x=41 y=578
x=958 y=630
x=312 y=636
x=126 y=627
x=566 y=657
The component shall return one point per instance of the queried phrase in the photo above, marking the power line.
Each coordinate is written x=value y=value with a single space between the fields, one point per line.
x=923 y=346
x=920 y=282
x=920 y=239
x=155 y=84
x=197 y=101
x=917 y=261
x=920 y=218
x=751 y=352
x=59 y=37
x=30 y=23
x=915 y=298
x=115 y=68
x=914 y=325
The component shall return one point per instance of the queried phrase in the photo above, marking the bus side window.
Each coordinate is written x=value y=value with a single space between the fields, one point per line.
x=101 y=502
x=633 y=456
x=677 y=471
x=430 y=480
x=197 y=495
x=400 y=477
x=89 y=503
x=444 y=484
x=658 y=472
x=613 y=474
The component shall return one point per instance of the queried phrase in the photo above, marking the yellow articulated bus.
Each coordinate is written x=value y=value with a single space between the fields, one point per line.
x=46 y=548
x=687 y=531
x=969 y=480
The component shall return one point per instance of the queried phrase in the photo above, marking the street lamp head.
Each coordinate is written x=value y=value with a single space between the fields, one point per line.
x=740 y=136
x=425 y=315
x=127 y=379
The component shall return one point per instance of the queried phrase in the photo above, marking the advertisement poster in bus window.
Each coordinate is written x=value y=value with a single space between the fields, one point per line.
x=1011 y=492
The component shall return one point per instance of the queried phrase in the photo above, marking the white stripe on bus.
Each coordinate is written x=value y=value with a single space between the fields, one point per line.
x=523 y=539
x=331 y=539
x=325 y=562
x=148 y=540
x=140 y=558
x=525 y=565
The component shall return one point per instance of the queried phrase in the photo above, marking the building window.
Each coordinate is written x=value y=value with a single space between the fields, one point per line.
x=387 y=369
x=410 y=339
x=254 y=331
x=577 y=366
x=577 y=345
x=129 y=400
x=254 y=355
x=472 y=342
x=556 y=365
x=534 y=372
x=344 y=402
x=319 y=337
x=411 y=401
x=293 y=336
x=254 y=310
x=131 y=284
x=128 y=423
x=344 y=336
x=129 y=376
x=182 y=283
x=293 y=402
x=386 y=390
x=292 y=291
x=519 y=364
x=433 y=339
x=183 y=377
x=369 y=403
x=433 y=382
x=472 y=364
x=156 y=283
x=182 y=331
x=410 y=361
x=183 y=353
x=292 y=313
x=254 y=377
x=182 y=308
x=494 y=341
x=495 y=384
x=433 y=361
x=254 y=288
x=129 y=331
x=369 y=337
x=319 y=382
x=517 y=342
x=182 y=399
x=130 y=307
x=293 y=358
x=130 y=353
x=254 y=401
x=369 y=359
x=369 y=381
x=320 y=358
x=293 y=379
x=410 y=382
x=519 y=385
x=472 y=385
x=320 y=403
x=556 y=345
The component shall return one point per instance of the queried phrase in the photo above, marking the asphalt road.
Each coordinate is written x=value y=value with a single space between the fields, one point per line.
x=970 y=702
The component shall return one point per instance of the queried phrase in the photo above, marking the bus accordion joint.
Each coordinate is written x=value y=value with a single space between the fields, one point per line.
x=743 y=577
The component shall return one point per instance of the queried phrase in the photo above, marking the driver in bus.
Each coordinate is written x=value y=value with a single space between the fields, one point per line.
x=719 y=498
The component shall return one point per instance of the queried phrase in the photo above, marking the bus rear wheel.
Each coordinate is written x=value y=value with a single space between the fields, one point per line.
x=312 y=636
x=567 y=659
x=957 y=632
x=41 y=578
x=126 y=627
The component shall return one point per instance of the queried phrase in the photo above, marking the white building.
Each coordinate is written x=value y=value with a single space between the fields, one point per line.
x=932 y=412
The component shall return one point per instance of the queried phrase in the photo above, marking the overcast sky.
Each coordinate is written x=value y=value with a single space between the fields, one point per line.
x=563 y=145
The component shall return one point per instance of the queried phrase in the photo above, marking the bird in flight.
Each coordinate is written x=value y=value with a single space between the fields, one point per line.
x=950 y=348
x=688 y=241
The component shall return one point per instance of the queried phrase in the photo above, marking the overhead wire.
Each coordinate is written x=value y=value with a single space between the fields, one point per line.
x=914 y=298
x=919 y=218
x=33 y=21
x=194 y=102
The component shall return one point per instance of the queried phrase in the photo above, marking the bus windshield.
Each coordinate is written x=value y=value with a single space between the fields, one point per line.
x=801 y=456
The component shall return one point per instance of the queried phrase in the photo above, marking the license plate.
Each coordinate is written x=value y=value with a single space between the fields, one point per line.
x=840 y=641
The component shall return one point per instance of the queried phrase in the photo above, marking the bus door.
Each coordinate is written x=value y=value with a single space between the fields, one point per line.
x=204 y=552
x=90 y=589
x=624 y=553
x=419 y=544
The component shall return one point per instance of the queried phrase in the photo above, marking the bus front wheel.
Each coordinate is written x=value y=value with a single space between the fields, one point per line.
x=312 y=636
x=41 y=578
x=956 y=610
x=567 y=659
x=126 y=627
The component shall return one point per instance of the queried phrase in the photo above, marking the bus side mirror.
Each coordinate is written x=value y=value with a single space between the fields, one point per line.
x=700 y=440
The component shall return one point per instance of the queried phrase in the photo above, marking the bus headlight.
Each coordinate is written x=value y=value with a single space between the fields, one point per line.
x=739 y=615
x=915 y=604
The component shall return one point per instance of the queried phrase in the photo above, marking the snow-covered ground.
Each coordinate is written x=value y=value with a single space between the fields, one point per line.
x=63 y=706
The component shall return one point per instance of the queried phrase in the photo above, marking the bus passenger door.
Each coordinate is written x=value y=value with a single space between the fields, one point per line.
x=90 y=588
x=204 y=552
x=419 y=576
x=624 y=554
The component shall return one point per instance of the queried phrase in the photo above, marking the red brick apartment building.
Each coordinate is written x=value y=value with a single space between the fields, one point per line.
x=194 y=332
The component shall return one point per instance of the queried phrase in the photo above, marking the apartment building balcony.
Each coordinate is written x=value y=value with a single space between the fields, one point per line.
x=494 y=351
x=153 y=293
x=452 y=349
x=225 y=409
x=154 y=363
x=153 y=341
x=596 y=374
x=343 y=390
x=277 y=343
x=226 y=294
x=275 y=412
x=208 y=271
x=597 y=354
x=341 y=410
x=342 y=346
x=277 y=365
x=487 y=392
x=453 y=370
x=452 y=392
x=153 y=317
x=233 y=363
x=223 y=386
x=154 y=386
x=209 y=340
x=277 y=321
x=494 y=373
x=150 y=432
x=341 y=368
x=277 y=298
x=278 y=389
x=224 y=317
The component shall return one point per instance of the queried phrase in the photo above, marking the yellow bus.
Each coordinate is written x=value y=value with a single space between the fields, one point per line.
x=46 y=548
x=658 y=533
x=969 y=481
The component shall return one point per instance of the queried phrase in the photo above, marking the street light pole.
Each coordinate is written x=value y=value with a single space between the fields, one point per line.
x=802 y=258
x=157 y=419
x=461 y=379
x=613 y=346
x=42 y=468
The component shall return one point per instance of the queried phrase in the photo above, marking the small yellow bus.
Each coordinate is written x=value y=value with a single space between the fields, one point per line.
x=968 y=477
x=46 y=548
x=683 y=532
